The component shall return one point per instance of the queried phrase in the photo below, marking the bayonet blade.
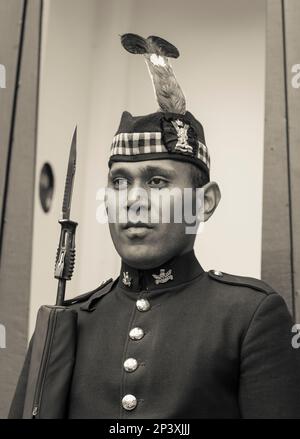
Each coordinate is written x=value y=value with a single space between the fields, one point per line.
x=70 y=178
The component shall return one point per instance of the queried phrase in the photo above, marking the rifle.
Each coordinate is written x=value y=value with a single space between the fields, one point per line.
x=54 y=340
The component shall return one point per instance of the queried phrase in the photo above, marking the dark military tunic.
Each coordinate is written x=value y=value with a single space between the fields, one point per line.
x=179 y=342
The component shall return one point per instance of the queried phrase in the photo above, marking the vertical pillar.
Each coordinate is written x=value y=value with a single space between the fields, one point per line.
x=291 y=20
x=20 y=23
x=276 y=232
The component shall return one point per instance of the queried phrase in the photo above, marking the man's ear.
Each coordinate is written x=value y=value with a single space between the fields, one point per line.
x=212 y=197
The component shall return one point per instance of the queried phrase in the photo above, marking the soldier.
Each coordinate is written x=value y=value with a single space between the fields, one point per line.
x=167 y=339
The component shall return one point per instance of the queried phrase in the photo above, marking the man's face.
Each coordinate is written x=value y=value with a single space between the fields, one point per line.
x=141 y=187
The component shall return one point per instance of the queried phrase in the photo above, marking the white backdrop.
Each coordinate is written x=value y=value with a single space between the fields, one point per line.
x=88 y=79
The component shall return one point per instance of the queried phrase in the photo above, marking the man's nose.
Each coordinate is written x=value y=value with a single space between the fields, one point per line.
x=138 y=196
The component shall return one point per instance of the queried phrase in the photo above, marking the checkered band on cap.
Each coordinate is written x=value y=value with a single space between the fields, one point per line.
x=131 y=144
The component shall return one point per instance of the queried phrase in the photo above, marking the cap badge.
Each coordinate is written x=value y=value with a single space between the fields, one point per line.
x=163 y=276
x=126 y=279
x=182 y=136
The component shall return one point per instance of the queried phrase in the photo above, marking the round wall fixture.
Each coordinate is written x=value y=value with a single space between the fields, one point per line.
x=46 y=187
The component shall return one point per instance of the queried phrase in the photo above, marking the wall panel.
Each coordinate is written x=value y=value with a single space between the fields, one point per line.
x=17 y=238
x=276 y=244
x=291 y=15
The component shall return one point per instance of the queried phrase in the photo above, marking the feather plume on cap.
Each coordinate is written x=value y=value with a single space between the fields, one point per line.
x=156 y=52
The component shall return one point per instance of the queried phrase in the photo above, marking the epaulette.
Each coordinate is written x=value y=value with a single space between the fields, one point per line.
x=86 y=296
x=242 y=281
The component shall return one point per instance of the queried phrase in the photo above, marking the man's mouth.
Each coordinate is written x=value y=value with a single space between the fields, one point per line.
x=138 y=225
x=137 y=230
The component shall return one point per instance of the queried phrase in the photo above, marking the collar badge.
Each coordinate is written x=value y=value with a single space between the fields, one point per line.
x=163 y=276
x=181 y=130
x=126 y=279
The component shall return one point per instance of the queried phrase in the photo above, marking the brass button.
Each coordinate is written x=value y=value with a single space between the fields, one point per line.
x=143 y=305
x=129 y=402
x=130 y=365
x=136 y=333
x=218 y=273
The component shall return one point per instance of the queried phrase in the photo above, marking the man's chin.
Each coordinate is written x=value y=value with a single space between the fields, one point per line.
x=142 y=257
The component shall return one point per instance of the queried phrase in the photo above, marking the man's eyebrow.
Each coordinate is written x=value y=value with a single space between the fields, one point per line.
x=146 y=171
x=120 y=171
x=150 y=170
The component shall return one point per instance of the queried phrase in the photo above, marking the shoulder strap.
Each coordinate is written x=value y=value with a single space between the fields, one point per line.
x=231 y=279
x=86 y=296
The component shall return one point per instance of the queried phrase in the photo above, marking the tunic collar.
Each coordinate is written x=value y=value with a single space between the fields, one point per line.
x=176 y=271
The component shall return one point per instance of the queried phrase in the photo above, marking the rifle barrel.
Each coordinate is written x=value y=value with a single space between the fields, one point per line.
x=61 y=288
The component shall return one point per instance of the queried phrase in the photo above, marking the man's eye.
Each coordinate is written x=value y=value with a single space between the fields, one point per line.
x=120 y=183
x=158 y=182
